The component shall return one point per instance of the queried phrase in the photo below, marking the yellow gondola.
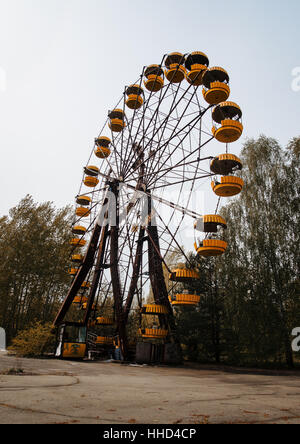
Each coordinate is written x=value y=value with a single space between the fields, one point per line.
x=92 y=170
x=78 y=300
x=210 y=223
x=83 y=200
x=135 y=99
x=76 y=242
x=73 y=271
x=153 y=333
x=83 y=212
x=91 y=182
x=211 y=247
x=216 y=88
x=104 y=141
x=77 y=258
x=152 y=309
x=79 y=230
x=225 y=164
x=229 y=186
x=184 y=275
x=117 y=123
x=175 y=71
x=102 y=150
x=185 y=299
x=196 y=63
x=227 y=115
x=155 y=79
x=86 y=285
x=102 y=320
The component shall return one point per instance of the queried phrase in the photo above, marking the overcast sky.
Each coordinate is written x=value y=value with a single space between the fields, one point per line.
x=64 y=63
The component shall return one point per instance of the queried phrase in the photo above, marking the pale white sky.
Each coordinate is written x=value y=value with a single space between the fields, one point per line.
x=64 y=64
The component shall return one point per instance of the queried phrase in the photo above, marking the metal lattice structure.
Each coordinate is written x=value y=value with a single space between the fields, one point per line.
x=151 y=152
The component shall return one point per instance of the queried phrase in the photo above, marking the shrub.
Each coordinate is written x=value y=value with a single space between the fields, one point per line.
x=34 y=341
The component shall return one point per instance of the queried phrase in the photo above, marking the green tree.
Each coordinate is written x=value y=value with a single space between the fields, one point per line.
x=251 y=298
x=261 y=266
x=201 y=328
x=34 y=253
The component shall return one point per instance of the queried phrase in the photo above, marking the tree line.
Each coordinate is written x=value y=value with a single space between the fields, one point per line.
x=34 y=251
x=252 y=293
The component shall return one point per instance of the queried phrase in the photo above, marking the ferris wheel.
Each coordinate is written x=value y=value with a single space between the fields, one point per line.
x=137 y=198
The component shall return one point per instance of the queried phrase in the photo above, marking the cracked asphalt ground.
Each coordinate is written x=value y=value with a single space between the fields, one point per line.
x=70 y=392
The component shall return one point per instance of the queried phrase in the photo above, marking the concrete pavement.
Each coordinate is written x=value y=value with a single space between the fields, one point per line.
x=52 y=391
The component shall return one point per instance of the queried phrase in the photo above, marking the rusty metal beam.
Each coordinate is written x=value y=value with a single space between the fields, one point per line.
x=97 y=273
x=82 y=273
x=157 y=278
x=135 y=274
x=115 y=276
